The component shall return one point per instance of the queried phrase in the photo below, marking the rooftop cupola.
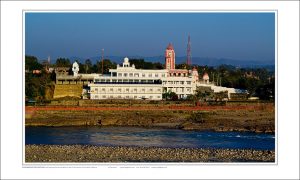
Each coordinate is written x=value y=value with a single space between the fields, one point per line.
x=126 y=62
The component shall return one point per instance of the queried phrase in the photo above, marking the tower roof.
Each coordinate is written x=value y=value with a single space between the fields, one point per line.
x=170 y=47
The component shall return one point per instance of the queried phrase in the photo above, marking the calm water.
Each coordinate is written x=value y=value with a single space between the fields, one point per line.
x=134 y=136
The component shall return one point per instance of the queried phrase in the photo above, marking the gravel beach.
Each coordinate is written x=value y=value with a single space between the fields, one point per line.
x=88 y=153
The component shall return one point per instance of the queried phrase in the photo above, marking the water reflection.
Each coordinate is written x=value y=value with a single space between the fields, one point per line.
x=134 y=136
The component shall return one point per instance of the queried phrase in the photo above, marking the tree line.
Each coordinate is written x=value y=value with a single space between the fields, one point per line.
x=257 y=81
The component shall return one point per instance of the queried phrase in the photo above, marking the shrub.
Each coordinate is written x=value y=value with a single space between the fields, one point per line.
x=197 y=117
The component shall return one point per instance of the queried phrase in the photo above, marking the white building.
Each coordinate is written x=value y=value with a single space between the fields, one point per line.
x=127 y=82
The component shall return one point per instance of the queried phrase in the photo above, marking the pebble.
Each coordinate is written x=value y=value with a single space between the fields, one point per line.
x=88 y=153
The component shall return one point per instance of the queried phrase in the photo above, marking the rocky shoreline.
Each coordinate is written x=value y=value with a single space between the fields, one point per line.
x=89 y=153
x=259 y=121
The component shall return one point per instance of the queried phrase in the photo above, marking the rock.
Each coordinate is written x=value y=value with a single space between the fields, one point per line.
x=79 y=153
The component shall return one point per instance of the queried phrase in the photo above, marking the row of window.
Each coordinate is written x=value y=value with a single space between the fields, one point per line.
x=178 y=90
x=178 y=74
x=177 y=82
x=125 y=97
x=140 y=75
x=129 y=80
x=151 y=90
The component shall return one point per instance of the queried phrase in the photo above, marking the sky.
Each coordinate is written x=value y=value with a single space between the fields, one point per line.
x=240 y=36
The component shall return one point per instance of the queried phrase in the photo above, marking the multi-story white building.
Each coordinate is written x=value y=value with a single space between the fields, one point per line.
x=127 y=82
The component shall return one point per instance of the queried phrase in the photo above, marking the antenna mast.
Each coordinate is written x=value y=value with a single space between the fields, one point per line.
x=188 y=51
x=102 y=54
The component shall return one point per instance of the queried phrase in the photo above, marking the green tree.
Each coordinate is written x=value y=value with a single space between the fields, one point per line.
x=252 y=84
x=267 y=91
x=107 y=64
x=88 y=66
x=31 y=63
x=158 y=65
x=170 y=96
x=173 y=96
x=81 y=67
x=182 y=66
x=63 y=62
x=94 y=68
x=36 y=85
x=203 y=93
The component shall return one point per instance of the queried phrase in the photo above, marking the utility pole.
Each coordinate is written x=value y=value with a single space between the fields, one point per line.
x=102 y=53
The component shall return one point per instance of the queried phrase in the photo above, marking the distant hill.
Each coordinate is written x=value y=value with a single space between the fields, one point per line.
x=195 y=60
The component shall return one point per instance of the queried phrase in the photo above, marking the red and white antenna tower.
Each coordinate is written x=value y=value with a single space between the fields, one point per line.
x=188 y=52
x=102 y=58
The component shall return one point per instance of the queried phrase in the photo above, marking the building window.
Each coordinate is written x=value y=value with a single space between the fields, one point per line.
x=103 y=96
x=181 y=82
x=127 y=89
x=158 y=97
x=151 y=90
x=136 y=74
x=135 y=97
x=156 y=75
x=143 y=90
x=111 y=97
x=143 y=75
x=119 y=97
x=125 y=74
x=103 y=89
x=135 y=90
x=130 y=74
x=96 y=97
x=119 y=90
x=158 y=90
x=151 y=97
x=120 y=74
x=188 y=82
x=163 y=75
x=127 y=97
x=111 y=89
x=150 y=75
x=96 y=89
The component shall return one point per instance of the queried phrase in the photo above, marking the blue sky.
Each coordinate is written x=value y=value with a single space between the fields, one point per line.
x=241 y=36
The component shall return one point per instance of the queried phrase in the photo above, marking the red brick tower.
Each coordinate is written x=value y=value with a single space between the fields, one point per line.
x=170 y=57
